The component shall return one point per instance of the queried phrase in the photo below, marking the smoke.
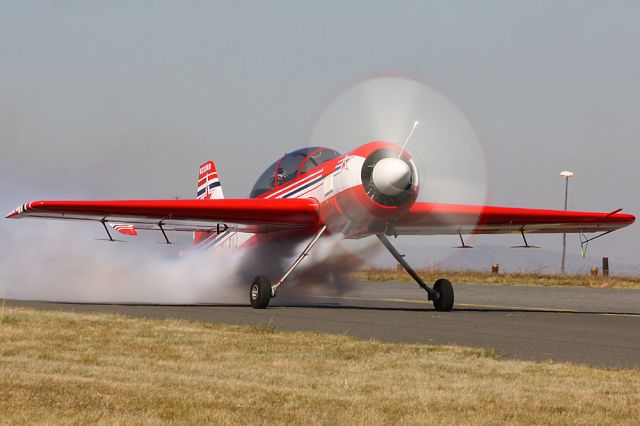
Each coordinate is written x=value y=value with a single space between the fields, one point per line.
x=49 y=261
x=325 y=272
x=55 y=261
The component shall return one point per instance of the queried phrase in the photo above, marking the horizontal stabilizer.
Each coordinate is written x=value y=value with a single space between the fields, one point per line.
x=124 y=228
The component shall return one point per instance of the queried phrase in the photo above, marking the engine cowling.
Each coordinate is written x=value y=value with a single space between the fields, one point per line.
x=377 y=184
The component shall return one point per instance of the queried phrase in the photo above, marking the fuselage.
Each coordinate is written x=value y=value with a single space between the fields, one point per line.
x=350 y=196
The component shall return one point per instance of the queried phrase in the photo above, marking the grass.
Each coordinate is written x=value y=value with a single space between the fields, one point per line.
x=521 y=278
x=4 y=317
x=62 y=368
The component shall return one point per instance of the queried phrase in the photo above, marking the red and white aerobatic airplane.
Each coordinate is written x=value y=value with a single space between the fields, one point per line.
x=311 y=192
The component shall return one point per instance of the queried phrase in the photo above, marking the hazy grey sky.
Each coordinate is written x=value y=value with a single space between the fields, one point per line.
x=125 y=99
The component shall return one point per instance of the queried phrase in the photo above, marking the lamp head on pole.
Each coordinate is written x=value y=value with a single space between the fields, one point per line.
x=566 y=174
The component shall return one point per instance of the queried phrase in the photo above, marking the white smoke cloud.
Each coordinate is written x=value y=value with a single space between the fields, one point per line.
x=56 y=261
x=49 y=261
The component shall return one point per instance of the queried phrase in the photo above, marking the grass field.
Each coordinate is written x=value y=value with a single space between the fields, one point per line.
x=61 y=368
x=523 y=278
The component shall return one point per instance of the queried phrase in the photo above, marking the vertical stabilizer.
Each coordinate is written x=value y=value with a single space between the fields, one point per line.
x=208 y=188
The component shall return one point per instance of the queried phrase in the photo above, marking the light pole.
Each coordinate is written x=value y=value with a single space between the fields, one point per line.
x=565 y=175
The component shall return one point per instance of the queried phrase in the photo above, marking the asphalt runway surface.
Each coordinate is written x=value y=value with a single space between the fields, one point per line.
x=598 y=327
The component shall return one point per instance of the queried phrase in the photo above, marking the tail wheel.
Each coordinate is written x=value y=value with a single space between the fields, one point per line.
x=260 y=293
x=444 y=303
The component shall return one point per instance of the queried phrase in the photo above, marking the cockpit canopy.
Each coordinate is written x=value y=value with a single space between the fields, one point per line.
x=290 y=166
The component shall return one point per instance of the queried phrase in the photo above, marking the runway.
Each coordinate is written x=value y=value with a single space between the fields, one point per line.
x=598 y=327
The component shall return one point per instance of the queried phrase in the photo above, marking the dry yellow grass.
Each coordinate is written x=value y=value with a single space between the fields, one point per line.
x=61 y=368
x=522 y=278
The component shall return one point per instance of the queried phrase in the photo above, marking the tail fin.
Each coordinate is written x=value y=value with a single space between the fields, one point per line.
x=208 y=188
x=208 y=183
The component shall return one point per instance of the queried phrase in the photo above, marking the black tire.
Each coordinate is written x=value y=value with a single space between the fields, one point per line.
x=260 y=292
x=444 y=303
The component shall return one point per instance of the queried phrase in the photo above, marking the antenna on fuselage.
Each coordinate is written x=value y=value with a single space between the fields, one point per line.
x=415 y=124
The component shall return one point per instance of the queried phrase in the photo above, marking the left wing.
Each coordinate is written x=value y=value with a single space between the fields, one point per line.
x=242 y=215
x=444 y=219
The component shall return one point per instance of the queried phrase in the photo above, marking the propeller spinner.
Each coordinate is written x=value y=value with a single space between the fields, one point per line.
x=391 y=176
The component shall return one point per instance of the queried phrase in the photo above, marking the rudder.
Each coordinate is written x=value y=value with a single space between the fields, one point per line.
x=208 y=188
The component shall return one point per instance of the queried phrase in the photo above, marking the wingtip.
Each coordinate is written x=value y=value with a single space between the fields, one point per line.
x=14 y=213
x=17 y=212
x=626 y=217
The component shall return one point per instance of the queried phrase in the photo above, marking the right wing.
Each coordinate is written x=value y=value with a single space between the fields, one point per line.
x=447 y=219
x=241 y=215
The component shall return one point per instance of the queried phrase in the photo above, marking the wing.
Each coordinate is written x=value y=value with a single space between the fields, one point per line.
x=242 y=215
x=443 y=219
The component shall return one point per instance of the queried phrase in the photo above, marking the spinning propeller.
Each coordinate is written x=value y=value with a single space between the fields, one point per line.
x=445 y=147
x=448 y=156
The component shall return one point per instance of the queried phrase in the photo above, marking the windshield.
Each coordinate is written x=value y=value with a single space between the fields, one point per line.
x=290 y=166
x=265 y=182
x=317 y=157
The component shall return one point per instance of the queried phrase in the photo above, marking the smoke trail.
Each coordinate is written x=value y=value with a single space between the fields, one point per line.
x=53 y=261
x=46 y=261
x=326 y=271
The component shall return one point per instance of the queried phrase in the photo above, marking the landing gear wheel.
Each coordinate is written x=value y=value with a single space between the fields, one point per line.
x=444 y=303
x=260 y=293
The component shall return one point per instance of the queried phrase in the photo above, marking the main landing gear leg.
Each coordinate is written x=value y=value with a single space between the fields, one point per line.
x=442 y=291
x=261 y=289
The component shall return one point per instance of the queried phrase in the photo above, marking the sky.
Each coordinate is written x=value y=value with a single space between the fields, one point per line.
x=125 y=99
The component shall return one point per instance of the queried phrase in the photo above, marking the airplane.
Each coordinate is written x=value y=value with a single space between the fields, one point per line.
x=315 y=192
